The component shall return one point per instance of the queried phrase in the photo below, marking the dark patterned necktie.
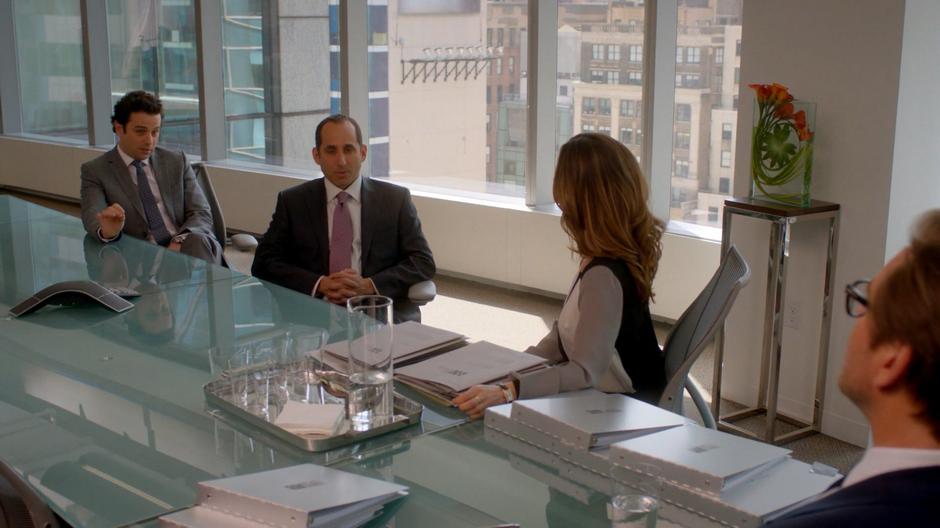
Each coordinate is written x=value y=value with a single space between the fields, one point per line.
x=154 y=220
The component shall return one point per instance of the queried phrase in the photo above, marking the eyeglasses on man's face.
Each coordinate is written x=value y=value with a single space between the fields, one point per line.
x=856 y=298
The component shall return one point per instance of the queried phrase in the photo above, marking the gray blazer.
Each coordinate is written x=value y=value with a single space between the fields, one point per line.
x=106 y=180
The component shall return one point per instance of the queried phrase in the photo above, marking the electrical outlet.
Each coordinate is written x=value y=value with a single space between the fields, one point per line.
x=792 y=313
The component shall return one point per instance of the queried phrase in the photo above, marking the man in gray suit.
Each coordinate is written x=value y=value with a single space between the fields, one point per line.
x=144 y=190
x=345 y=235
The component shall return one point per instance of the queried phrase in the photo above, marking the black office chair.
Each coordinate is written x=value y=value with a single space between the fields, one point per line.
x=695 y=329
x=20 y=505
x=242 y=241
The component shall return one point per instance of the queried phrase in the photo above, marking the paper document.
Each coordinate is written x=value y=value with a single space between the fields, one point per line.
x=410 y=340
x=460 y=369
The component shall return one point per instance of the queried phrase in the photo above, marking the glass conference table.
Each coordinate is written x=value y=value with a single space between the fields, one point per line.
x=104 y=413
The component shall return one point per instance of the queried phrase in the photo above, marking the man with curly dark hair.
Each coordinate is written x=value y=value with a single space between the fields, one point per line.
x=146 y=191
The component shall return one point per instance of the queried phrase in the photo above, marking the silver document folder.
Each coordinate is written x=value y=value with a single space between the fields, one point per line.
x=698 y=457
x=593 y=419
x=299 y=496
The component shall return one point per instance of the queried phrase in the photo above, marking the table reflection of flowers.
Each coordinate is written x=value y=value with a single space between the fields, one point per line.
x=781 y=146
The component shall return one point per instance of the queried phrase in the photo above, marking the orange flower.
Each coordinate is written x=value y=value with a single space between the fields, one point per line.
x=779 y=94
x=762 y=91
x=799 y=119
x=784 y=111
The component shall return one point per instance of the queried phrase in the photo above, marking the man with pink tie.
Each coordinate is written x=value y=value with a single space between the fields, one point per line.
x=344 y=235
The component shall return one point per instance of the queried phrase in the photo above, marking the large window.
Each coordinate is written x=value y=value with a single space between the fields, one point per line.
x=610 y=96
x=153 y=48
x=447 y=85
x=51 y=72
x=706 y=88
x=280 y=67
x=438 y=72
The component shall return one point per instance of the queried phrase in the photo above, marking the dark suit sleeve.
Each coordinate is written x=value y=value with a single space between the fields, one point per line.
x=273 y=260
x=415 y=264
x=93 y=199
x=197 y=217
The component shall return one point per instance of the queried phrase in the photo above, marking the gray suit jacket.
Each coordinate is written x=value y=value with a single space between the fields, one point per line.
x=295 y=251
x=106 y=180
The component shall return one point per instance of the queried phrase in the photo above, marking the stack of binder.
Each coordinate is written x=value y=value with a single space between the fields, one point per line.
x=443 y=376
x=297 y=496
x=705 y=477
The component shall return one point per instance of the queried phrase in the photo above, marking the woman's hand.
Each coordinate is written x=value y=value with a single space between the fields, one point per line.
x=476 y=399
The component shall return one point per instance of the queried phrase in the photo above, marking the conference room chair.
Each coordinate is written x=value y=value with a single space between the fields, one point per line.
x=20 y=505
x=242 y=241
x=696 y=328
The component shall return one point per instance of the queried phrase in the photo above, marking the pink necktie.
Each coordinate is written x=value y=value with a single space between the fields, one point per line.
x=342 y=237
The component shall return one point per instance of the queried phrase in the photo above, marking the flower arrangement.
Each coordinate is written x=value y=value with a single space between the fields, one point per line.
x=781 y=146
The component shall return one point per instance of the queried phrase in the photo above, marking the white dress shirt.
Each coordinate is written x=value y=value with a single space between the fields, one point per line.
x=881 y=460
x=171 y=226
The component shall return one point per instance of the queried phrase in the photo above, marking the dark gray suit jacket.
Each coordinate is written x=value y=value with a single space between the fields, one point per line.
x=906 y=497
x=295 y=250
x=106 y=180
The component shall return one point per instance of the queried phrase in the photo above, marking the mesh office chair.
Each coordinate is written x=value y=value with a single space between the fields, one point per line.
x=242 y=241
x=419 y=294
x=695 y=328
x=20 y=505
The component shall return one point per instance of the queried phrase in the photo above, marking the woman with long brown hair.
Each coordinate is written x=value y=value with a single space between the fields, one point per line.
x=604 y=336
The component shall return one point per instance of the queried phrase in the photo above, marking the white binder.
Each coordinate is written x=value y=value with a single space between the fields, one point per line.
x=698 y=457
x=593 y=419
x=299 y=496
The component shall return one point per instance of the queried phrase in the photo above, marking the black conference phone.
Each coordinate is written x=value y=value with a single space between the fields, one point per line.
x=71 y=293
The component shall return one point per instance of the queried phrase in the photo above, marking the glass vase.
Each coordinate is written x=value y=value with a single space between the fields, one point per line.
x=782 y=153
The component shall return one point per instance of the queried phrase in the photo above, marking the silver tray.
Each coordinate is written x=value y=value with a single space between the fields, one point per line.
x=221 y=394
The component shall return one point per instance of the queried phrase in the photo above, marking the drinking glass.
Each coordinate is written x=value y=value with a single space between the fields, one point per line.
x=306 y=350
x=370 y=393
x=635 y=496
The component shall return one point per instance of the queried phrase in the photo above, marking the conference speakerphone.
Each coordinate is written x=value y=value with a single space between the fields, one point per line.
x=71 y=293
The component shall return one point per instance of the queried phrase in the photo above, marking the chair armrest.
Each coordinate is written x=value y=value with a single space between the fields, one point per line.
x=244 y=241
x=701 y=405
x=422 y=292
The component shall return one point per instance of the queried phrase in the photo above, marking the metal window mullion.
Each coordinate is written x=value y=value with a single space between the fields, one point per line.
x=541 y=87
x=354 y=63
x=11 y=116
x=659 y=95
x=97 y=61
x=211 y=87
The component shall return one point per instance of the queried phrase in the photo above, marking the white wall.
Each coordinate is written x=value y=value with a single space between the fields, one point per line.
x=494 y=242
x=915 y=179
x=845 y=55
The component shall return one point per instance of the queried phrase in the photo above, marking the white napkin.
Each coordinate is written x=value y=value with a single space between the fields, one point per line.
x=311 y=418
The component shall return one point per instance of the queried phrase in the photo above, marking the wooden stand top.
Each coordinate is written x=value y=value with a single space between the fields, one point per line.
x=772 y=208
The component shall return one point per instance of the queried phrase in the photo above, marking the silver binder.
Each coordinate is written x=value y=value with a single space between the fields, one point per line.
x=299 y=496
x=697 y=457
x=593 y=419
